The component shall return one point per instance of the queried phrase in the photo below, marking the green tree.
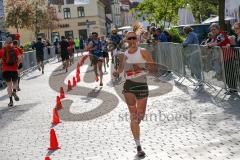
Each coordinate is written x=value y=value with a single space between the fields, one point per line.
x=159 y=11
x=19 y=14
x=202 y=9
x=44 y=17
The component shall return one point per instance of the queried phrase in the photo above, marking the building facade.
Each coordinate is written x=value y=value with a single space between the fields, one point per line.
x=74 y=20
x=116 y=14
x=126 y=16
x=79 y=20
x=232 y=9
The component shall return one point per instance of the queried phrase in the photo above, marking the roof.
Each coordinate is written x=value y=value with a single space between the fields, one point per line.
x=216 y=19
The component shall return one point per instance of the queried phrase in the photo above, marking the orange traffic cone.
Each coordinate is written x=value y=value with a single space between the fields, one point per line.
x=55 y=118
x=74 y=82
x=58 y=103
x=97 y=79
x=53 y=141
x=62 y=95
x=78 y=77
x=47 y=158
x=69 y=86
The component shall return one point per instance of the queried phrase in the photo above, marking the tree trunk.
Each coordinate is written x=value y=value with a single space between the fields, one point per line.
x=221 y=13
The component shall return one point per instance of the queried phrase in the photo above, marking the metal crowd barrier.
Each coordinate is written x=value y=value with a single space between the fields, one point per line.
x=199 y=64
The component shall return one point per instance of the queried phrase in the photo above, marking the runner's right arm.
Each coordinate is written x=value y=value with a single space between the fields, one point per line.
x=122 y=59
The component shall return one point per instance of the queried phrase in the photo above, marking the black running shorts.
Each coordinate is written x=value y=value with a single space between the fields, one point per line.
x=10 y=76
x=105 y=54
x=140 y=90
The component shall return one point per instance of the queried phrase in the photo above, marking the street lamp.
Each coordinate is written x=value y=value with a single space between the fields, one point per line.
x=88 y=27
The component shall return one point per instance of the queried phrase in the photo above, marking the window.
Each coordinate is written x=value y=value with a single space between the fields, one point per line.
x=66 y=13
x=57 y=2
x=70 y=1
x=80 y=11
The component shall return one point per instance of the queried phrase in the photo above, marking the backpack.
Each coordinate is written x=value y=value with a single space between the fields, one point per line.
x=9 y=58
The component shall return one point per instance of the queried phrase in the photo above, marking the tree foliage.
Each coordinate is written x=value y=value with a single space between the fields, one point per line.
x=167 y=10
x=159 y=10
x=19 y=14
x=32 y=14
x=202 y=9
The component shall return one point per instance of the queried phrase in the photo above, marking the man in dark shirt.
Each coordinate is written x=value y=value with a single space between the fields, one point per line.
x=64 y=53
x=57 y=48
x=39 y=46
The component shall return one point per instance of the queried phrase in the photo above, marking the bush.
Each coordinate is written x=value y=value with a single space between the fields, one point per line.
x=175 y=35
x=27 y=47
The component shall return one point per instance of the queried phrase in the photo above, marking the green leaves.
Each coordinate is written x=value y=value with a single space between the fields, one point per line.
x=159 y=10
x=32 y=14
x=19 y=14
x=202 y=9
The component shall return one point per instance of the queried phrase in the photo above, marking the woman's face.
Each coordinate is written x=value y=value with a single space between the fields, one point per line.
x=237 y=29
x=132 y=40
x=215 y=31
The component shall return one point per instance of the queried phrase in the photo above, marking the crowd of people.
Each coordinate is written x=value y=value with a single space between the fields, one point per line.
x=217 y=37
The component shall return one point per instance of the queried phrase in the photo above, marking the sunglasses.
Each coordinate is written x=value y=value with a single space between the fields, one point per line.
x=131 y=38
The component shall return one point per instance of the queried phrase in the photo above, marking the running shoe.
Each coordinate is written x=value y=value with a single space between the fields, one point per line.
x=101 y=84
x=140 y=152
x=18 y=89
x=10 y=104
x=16 y=98
x=42 y=71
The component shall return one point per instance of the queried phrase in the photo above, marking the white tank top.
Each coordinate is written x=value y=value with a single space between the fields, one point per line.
x=135 y=57
x=135 y=65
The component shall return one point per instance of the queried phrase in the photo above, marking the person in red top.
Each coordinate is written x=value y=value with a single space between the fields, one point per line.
x=15 y=44
x=10 y=60
x=71 y=49
x=221 y=39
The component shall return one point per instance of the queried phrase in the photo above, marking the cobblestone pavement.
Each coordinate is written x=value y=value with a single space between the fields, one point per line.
x=179 y=123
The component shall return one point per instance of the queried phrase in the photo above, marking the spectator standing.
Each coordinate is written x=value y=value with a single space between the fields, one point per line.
x=191 y=36
x=236 y=28
x=221 y=39
x=77 y=44
x=161 y=36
